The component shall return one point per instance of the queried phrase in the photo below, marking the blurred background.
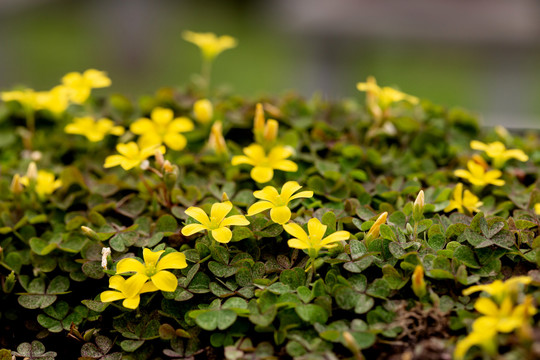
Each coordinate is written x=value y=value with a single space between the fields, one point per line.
x=483 y=55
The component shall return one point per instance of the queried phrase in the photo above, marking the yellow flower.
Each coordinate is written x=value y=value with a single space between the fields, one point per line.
x=217 y=224
x=497 y=151
x=505 y=318
x=45 y=183
x=55 y=100
x=477 y=175
x=203 y=111
x=131 y=156
x=210 y=45
x=26 y=97
x=271 y=199
x=263 y=166
x=386 y=95
x=463 y=202
x=163 y=128
x=153 y=269
x=373 y=232
x=499 y=289
x=315 y=240
x=129 y=290
x=94 y=130
x=486 y=338
x=418 y=282
x=80 y=85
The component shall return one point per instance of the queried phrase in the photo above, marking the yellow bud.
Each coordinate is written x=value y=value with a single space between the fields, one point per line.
x=216 y=141
x=224 y=197
x=167 y=166
x=31 y=172
x=271 y=130
x=203 y=111
x=375 y=228
x=16 y=186
x=258 y=123
x=418 y=207
x=418 y=283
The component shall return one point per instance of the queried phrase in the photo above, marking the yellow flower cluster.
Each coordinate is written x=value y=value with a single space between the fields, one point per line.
x=498 y=152
x=75 y=88
x=500 y=314
x=42 y=182
x=147 y=276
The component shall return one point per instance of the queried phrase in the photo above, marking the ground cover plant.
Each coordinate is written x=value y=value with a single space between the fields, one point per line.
x=195 y=224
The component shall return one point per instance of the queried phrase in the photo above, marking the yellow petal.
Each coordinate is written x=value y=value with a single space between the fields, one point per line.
x=129 y=150
x=181 y=124
x=175 y=141
x=219 y=211
x=132 y=302
x=517 y=154
x=148 y=287
x=298 y=244
x=462 y=173
x=134 y=284
x=96 y=78
x=175 y=260
x=241 y=159
x=255 y=152
x=222 y=235
x=191 y=229
x=296 y=231
x=108 y=296
x=289 y=188
x=258 y=207
x=116 y=282
x=142 y=126
x=113 y=160
x=262 y=174
x=278 y=153
x=477 y=145
x=486 y=306
x=335 y=237
x=162 y=116
x=285 y=165
x=199 y=215
x=269 y=193
x=165 y=281
x=129 y=265
x=280 y=214
x=316 y=229
x=302 y=194
x=236 y=220
x=151 y=257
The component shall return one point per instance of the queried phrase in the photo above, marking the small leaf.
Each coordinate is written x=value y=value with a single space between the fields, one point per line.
x=312 y=313
x=466 y=255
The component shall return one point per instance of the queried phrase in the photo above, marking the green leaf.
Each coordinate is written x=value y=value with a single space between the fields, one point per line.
x=131 y=345
x=379 y=289
x=221 y=270
x=346 y=298
x=329 y=219
x=364 y=304
x=466 y=255
x=363 y=340
x=437 y=241
x=58 y=285
x=166 y=224
x=312 y=313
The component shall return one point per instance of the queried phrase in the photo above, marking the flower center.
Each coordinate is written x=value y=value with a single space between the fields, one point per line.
x=151 y=270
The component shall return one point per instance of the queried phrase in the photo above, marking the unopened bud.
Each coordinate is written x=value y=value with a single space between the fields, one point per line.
x=31 y=172
x=216 y=141
x=224 y=197
x=91 y=234
x=170 y=176
x=145 y=164
x=9 y=283
x=271 y=130
x=418 y=207
x=16 y=187
x=203 y=111
x=167 y=166
x=159 y=158
x=418 y=283
x=350 y=343
x=375 y=228
x=480 y=161
x=258 y=123
x=105 y=253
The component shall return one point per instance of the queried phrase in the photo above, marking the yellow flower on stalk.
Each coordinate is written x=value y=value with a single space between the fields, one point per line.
x=203 y=111
x=499 y=289
x=80 y=85
x=498 y=152
x=45 y=182
x=264 y=165
x=463 y=201
x=162 y=128
x=129 y=290
x=131 y=155
x=265 y=131
x=477 y=175
x=153 y=269
x=94 y=130
x=314 y=240
x=271 y=199
x=217 y=224
x=386 y=95
x=210 y=45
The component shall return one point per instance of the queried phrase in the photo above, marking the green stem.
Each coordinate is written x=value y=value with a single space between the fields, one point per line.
x=206 y=72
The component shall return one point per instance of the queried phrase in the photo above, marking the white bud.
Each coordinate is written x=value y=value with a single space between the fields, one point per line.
x=105 y=252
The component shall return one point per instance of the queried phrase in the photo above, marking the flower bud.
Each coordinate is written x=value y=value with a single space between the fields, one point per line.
x=418 y=207
x=91 y=234
x=375 y=228
x=271 y=130
x=350 y=343
x=418 y=283
x=31 y=172
x=216 y=141
x=167 y=166
x=170 y=176
x=259 y=123
x=16 y=187
x=159 y=158
x=105 y=253
x=203 y=111
x=9 y=283
x=224 y=197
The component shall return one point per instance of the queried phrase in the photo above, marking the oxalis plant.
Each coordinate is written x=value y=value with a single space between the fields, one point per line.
x=195 y=224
